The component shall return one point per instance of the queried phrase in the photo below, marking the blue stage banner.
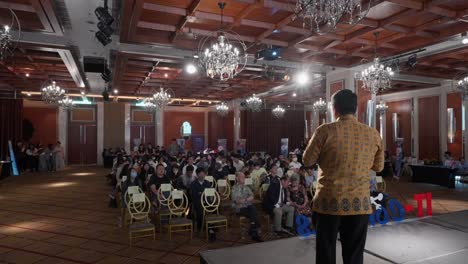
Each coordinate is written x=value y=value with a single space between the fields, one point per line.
x=13 y=159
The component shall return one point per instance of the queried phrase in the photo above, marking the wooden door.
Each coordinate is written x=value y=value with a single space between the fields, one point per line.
x=89 y=146
x=150 y=135
x=74 y=144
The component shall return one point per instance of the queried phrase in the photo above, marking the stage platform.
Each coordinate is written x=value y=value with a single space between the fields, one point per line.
x=440 y=239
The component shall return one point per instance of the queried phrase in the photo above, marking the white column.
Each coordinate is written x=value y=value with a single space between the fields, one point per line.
x=100 y=132
x=306 y=125
x=415 y=128
x=206 y=130
x=443 y=122
x=374 y=113
x=315 y=121
x=237 y=125
x=128 y=121
x=62 y=130
x=465 y=133
x=383 y=129
x=160 y=127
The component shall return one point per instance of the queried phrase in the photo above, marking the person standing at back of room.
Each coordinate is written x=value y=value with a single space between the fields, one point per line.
x=345 y=150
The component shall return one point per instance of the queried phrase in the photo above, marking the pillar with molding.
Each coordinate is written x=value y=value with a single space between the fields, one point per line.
x=128 y=121
x=62 y=129
x=237 y=125
x=159 y=116
x=443 y=122
x=100 y=131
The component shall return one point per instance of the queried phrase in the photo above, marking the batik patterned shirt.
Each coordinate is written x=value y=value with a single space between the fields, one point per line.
x=346 y=151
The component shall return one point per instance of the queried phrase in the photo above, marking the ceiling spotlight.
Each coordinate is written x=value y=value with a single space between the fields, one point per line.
x=190 y=69
x=302 y=78
x=83 y=93
x=464 y=38
x=116 y=91
x=412 y=61
x=286 y=77
x=294 y=94
x=195 y=56
x=102 y=38
x=209 y=102
x=29 y=94
x=27 y=74
x=166 y=75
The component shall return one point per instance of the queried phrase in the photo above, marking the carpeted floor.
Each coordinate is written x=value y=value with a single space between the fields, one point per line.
x=64 y=218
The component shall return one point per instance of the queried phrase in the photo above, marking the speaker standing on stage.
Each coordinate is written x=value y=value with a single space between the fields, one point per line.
x=346 y=150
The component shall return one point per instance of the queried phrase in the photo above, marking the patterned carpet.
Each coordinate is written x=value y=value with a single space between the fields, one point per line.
x=64 y=218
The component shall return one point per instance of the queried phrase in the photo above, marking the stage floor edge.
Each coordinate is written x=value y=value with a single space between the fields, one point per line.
x=435 y=240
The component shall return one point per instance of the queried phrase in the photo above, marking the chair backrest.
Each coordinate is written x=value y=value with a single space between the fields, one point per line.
x=210 y=200
x=223 y=189
x=248 y=181
x=131 y=190
x=164 y=193
x=178 y=203
x=378 y=179
x=211 y=180
x=231 y=177
x=139 y=206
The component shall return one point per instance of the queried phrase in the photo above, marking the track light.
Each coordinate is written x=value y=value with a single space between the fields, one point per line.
x=412 y=61
x=302 y=78
x=103 y=15
x=190 y=68
x=102 y=38
x=106 y=29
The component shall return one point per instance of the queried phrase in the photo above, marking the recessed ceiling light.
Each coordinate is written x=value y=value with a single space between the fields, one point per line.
x=165 y=75
x=464 y=38
x=29 y=94
x=294 y=94
x=276 y=31
x=27 y=74
x=116 y=91
x=83 y=93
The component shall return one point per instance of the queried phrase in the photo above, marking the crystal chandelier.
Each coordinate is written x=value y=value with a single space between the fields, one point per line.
x=149 y=105
x=320 y=106
x=278 y=111
x=222 y=109
x=322 y=16
x=462 y=85
x=66 y=103
x=381 y=108
x=222 y=58
x=162 y=98
x=9 y=39
x=52 y=93
x=377 y=77
x=254 y=103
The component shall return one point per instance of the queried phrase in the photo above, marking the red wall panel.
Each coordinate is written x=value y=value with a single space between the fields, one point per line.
x=264 y=132
x=403 y=109
x=221 y=127
x=45 y=124
x=173 y=121
x=336 y=86
x=454 y=100
x=429 y=127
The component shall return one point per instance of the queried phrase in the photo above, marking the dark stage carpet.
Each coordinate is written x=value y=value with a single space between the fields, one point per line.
x=440 y=239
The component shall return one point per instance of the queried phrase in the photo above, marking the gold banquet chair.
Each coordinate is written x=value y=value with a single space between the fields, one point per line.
x=210 y=201
x=139 y=207
x=231 y=179
x=211 y=180
x=164 y=195
x=131 y=190
x=380 y=184
x=223 y=189
x=178 y=206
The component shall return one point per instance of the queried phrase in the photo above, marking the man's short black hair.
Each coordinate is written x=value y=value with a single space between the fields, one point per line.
x=189 y=168
x=345 y=102
x=199 y=170
x=284 y=178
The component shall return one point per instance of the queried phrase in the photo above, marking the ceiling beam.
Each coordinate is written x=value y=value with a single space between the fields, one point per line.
x=17 y=7
x=245 y=12
x=190 y=12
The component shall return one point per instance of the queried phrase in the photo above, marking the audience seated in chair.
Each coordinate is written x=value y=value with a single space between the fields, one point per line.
x=242 y=198
x=155 y=182
x=197 y=188
x=276 y=203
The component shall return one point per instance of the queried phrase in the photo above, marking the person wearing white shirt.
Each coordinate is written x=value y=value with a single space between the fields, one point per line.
x=294 y=163
x=237 y=163
x=190 y=162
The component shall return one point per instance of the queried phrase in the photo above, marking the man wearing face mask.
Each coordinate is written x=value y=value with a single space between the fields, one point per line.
x=133 y=180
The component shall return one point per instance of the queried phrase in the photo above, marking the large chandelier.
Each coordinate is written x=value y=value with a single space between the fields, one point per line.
x=222 y=109
x=254 y=103
x=462 y=85
x=278 y=111
x=377 y=77
x=9 y=36
x=381 y=108
x=322 y=16
x=320 y=106
x=66 y=103
x=221 y=57
x=52 y=93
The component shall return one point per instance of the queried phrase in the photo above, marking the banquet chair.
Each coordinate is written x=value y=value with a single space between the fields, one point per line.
x=131 y=190
x=178 y=207
x=211 y=180
x=139 y=207
x=380 y=184
x=164 y=194
x=210 y=201
x=223 y=189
